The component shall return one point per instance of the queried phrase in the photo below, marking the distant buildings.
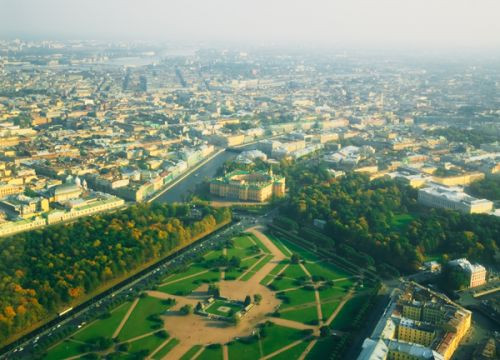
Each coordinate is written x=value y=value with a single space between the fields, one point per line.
x=417 y=324
x=453 y=199
x=476 y=272
x=242 y=185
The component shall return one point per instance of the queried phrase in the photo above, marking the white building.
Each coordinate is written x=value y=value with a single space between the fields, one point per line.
x=476 y=272
x=453 y=199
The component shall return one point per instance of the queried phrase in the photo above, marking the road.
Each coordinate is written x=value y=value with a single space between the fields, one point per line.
x=128 y=289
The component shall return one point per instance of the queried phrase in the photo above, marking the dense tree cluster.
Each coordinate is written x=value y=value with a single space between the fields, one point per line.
x=45 y=269
x=488 y=188
x=381 y=218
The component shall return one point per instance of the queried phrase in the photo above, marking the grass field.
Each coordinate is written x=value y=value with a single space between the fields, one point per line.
x=138 y=323
x=63 y=350
x=214 y=308
x=322 y=347
x=234 y=273
x=293 y=353
x=190 y=353
x=298 y=297
x=308 y=315
x=289 y=278
x=279 y=244
x=149 y=343
x=328 y=307
x=299 y=250
x=274 y=271
x=211 y=353
x=103 y=327
x=278 y=337
x=166 y=349
x=186 y=287
x=401 y=221
x=326 y=270
x=343 y=320
x=242 y=350
x=257 y=267
x=259 y=243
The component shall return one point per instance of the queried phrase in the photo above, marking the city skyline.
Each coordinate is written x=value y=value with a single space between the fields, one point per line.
x=390 y=24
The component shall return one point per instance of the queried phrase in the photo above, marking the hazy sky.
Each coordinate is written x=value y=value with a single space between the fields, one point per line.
x=427 y=23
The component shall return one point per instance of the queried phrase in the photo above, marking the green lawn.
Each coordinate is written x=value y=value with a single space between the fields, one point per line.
x=257 y=267
x=332 y=292
x=190 y=270
x=279 y=337
x=259 y=243
x=308 y=315
x=289 y=277
x=214 y=308
x=327 y=308
x=104 y=327
x=401 y=221
x=149 y=343
x=65 y=349
x=302 y=252
x=240 y=350
x=326 y=270
x=345 y=316
x=211 y=354
x=166 y=349
x=278 y=244
x=245 y=264
x=185 y=287
x=293 y=353
x=138 y=323
x=298 y=297
x=190 y=353
x=322 y=347
x=274 y=271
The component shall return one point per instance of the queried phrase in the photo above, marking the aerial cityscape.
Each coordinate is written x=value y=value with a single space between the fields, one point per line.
x=202 y=197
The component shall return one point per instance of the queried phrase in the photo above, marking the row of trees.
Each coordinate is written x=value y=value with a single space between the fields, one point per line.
x=365 y=216
x=43 y=270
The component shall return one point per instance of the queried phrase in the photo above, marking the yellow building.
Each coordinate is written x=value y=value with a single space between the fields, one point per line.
x=241 y=185
x=415 y=332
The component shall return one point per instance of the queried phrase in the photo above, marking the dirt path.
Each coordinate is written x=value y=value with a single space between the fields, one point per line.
x=225 y=352
x=250 y=269
x=289 y=346
x=316 y=295
x=198 y=353
x=162 y=345
x=277 y=274
x=179 y=350
x=293 y=324
x=139 y=337
x=183 y=278
x=125 y=318
x=308 y=349
x=341 y=305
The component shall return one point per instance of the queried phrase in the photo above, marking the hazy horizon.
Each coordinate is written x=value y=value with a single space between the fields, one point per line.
x=432 y=24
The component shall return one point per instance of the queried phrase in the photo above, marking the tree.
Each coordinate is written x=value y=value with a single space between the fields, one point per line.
x=453 y=278
x=257 y=298
x=324 y=331
x=186 y=309
x=294 y=259
x=248 y=300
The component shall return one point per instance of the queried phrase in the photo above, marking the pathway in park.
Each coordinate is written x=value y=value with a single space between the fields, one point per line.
x=184 y=278
x=308 y=349
x=179 y=350
x=293 y=324
x=316 y=294
x=162 y=345
x=273 y=277
x=279 y=351
x=225 y=352
x=125 y=318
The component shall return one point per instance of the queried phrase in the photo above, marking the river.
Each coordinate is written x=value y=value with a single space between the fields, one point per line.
x=179 y=192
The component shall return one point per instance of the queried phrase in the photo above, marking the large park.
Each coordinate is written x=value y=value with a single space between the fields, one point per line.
x=258 y=296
